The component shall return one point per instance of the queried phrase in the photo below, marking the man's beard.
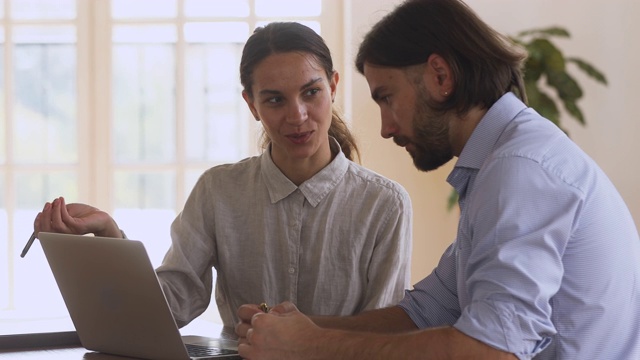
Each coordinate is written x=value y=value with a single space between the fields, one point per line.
x=431 y=135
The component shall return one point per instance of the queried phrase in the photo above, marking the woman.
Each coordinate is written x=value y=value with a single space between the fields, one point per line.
x=300 y=222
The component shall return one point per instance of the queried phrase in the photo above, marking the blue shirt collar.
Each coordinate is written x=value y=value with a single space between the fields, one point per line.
x=483 y=140
x=486 y=134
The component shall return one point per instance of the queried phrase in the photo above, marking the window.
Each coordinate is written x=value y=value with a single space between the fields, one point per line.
x=120 y=104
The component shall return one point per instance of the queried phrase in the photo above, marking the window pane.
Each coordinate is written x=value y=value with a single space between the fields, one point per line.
x=45 y=96
x=144 y=167
x=288 y=7
x=228 y=32
x=128 y=34
x=149 y=190
x=190 y=179
x=151 y=226
x=33 y=189
x=144 y=103
x=32 y=278
x=235 y=8
x=43 y=9
x=145 y=204
x=122 y=9
x=216 y=119
x=62 y=34
x=314 y=25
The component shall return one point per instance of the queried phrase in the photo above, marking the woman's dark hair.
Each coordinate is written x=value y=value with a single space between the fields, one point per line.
x=282 y=37
x=485 y=64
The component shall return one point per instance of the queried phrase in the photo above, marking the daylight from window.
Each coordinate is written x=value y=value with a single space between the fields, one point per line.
x=123 y=112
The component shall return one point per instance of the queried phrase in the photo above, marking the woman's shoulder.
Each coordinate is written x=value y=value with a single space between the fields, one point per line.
x=232 y=172
x=363 y=174
x=246 y=164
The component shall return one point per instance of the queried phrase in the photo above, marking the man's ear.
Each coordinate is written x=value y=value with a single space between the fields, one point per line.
x=439 y=77
x=249 y=100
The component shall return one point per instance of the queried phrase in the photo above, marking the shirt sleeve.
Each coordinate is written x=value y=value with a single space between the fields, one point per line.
x=390 y=267
x=433 y=301
x=511 y=241
x=186 y=271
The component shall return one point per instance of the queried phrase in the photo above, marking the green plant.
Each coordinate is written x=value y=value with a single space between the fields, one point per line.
x=547 y=81
x=546 y=64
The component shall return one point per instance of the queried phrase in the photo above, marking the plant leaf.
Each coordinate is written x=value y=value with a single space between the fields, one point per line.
x=566 y=86
x=548 y=109
x=532 y=70
x=589 y=69
x=542 y=103
x=452 y=200
x=574 y=110
x=551 y=31
x=549 y=55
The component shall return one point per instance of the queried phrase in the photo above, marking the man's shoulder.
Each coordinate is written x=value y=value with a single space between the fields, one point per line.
x=534 y=140
x=530 y=136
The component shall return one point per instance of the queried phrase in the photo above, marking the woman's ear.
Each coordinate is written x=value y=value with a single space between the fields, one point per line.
x=249 y=100
x=333 y=83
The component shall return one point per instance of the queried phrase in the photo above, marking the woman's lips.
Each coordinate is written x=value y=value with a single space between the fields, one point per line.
x=300 y=138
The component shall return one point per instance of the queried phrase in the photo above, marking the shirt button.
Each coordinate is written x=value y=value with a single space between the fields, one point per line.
x=291 y=270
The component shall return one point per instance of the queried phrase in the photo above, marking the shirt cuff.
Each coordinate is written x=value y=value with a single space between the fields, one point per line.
x=498 y=325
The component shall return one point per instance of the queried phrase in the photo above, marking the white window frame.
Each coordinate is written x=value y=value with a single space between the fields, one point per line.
x=95 y=162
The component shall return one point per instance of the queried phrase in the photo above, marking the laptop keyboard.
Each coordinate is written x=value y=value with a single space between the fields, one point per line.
x=204 y=351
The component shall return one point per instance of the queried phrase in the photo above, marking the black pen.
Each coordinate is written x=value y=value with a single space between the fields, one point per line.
x=28 y=246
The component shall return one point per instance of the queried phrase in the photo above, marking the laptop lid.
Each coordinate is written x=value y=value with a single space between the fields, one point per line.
x=113 y=296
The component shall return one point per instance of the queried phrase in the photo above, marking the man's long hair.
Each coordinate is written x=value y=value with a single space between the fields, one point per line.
x=484 y=63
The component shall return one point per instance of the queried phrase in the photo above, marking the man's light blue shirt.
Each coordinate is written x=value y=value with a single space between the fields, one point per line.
x=547 y=257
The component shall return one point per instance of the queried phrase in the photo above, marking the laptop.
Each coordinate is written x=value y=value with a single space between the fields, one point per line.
x=116 y=303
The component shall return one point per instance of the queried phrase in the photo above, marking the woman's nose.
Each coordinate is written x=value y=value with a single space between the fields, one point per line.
x=297 y=113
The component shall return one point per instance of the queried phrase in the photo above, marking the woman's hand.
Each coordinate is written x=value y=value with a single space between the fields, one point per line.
x=75 y=218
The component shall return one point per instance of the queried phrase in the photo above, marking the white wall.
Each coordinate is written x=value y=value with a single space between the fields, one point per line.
x=603 y=32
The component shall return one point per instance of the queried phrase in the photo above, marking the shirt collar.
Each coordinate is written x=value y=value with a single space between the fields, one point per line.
x=489 y=129
x=315 y=188
x=483 y=138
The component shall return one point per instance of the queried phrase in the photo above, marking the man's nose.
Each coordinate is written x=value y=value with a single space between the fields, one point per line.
x=388 y=126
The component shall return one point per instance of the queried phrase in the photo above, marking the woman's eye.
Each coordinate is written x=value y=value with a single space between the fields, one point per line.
x=274 y=100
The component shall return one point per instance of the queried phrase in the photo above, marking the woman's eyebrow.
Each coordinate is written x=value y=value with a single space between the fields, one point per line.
x=277 y=92
x=310 y=82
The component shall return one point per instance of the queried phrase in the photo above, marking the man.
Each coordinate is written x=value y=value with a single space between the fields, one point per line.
x=546 y=262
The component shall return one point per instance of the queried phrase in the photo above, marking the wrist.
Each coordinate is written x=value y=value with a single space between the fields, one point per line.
x=111 y=230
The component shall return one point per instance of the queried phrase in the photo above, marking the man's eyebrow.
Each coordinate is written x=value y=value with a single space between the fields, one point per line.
x=375 y=94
